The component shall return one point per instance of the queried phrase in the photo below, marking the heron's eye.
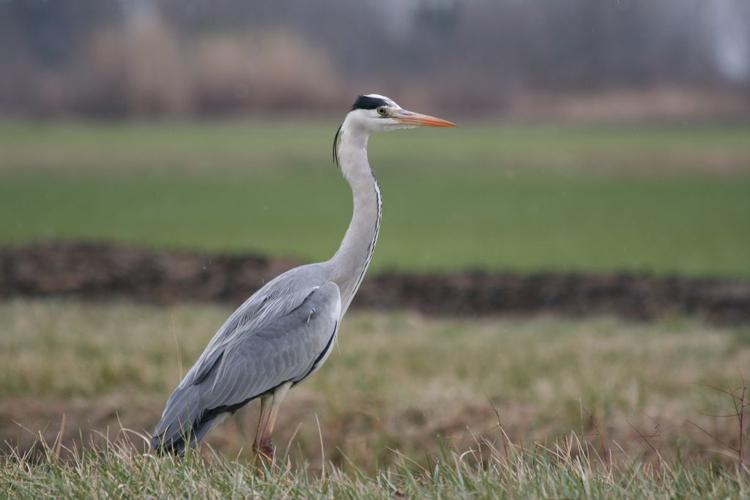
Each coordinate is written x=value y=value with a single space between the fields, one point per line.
x=383 y=111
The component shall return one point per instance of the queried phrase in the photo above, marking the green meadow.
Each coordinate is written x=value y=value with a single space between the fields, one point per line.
x=408 y=405
x=664 y=199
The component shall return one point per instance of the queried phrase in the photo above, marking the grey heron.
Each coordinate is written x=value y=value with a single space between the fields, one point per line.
x=285 y=331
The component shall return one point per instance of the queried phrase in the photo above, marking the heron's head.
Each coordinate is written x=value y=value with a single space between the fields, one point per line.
x=377 y=113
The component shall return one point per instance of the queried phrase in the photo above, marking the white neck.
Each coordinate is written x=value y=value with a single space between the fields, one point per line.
x=348 y=265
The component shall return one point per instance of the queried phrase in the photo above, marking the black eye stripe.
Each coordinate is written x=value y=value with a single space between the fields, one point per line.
x=367 y=102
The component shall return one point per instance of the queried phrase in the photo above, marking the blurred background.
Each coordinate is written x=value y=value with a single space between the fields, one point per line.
x=158 y=152
x=565 y=58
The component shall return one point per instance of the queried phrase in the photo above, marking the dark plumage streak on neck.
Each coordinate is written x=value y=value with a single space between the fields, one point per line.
x=349 y=265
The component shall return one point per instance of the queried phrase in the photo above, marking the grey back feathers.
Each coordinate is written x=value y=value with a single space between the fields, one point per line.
x=281 y=334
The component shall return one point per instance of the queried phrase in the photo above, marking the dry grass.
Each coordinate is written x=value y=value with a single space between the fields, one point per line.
x=261 y=145
x=397 y=382
x=570 y=469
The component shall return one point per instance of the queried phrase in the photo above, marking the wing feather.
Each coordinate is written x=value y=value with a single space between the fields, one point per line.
x=278 y=335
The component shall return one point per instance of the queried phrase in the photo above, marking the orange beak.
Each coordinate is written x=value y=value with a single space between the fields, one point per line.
x=412 y=118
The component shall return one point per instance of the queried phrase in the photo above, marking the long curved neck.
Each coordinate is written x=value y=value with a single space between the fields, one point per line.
x=350 y=262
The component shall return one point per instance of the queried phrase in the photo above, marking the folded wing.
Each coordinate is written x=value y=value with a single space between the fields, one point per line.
x=280 y=335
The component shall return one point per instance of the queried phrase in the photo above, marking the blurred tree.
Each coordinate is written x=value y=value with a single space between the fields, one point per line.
x=473 y=53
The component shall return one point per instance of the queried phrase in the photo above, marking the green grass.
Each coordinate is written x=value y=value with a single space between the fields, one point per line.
x=543 y=407
x=562 y=472
x=663 y=199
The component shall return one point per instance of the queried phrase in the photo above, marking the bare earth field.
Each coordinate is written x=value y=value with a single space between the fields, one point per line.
x=106 y=271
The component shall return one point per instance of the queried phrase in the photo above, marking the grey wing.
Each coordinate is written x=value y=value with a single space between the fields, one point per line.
x=275 y=300
x=287 y=345
x=284 y=350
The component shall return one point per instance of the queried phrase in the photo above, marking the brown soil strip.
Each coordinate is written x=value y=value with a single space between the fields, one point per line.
x=102 y=271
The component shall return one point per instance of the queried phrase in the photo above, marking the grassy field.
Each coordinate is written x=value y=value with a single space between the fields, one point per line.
x=561 y=472
x=407 y=405
x=400 y=393
x=666 y=199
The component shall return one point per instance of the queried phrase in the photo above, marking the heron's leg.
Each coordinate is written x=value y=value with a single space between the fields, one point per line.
x=265 y=412
x=263 y=444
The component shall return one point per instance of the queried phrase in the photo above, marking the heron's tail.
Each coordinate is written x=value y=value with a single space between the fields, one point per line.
x=181 y=424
